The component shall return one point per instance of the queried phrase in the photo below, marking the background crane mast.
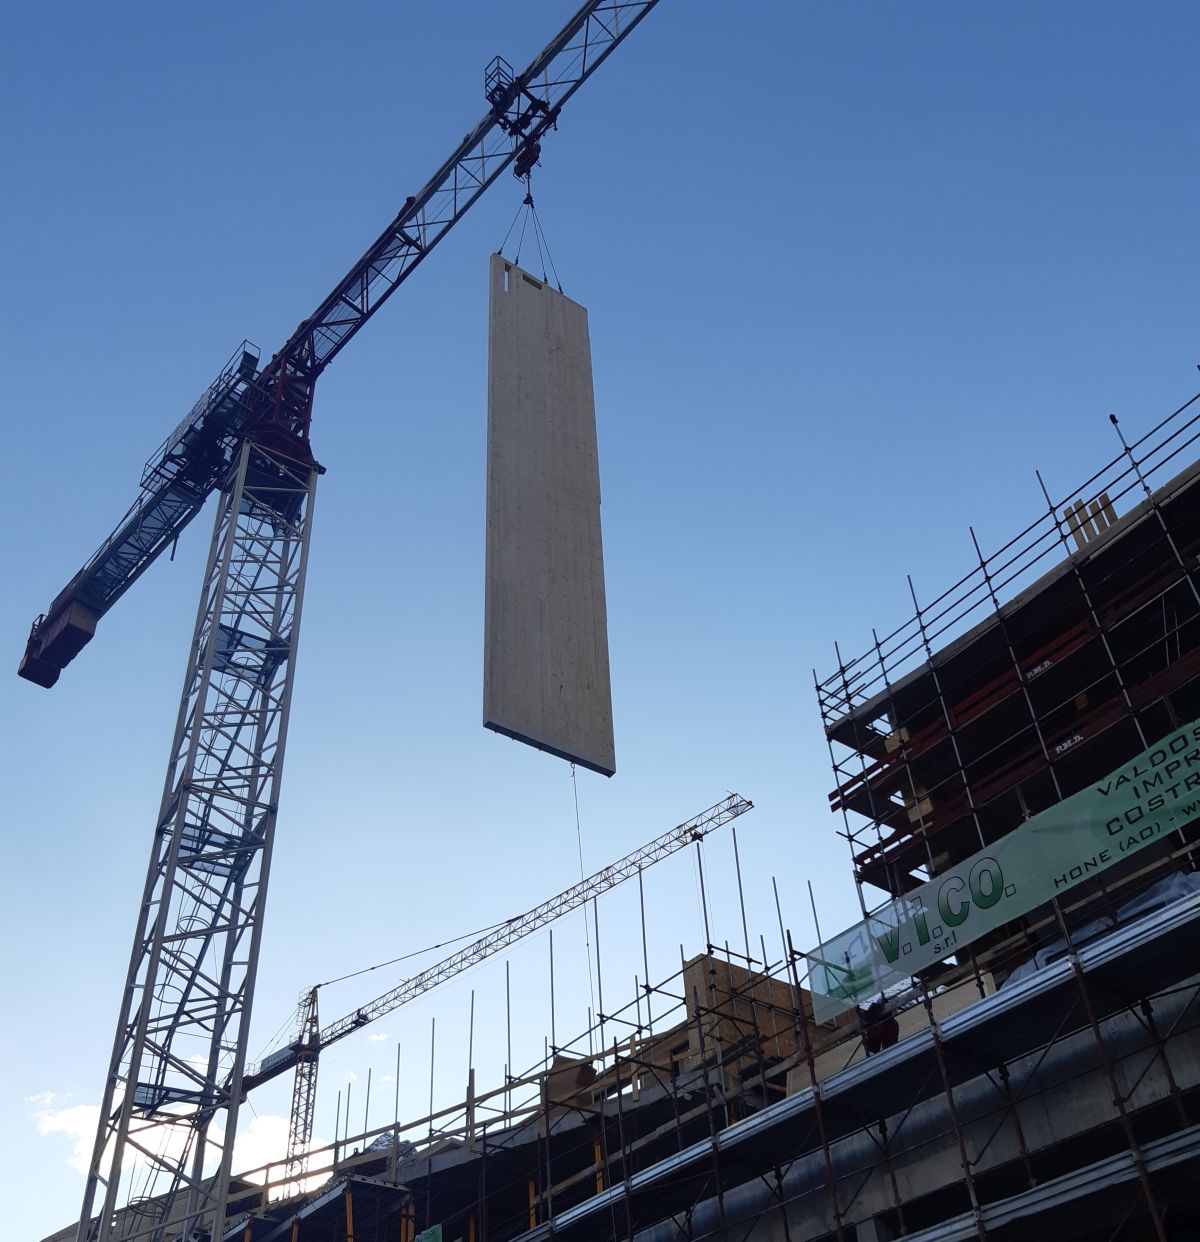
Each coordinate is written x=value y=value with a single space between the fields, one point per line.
x=179 y=1051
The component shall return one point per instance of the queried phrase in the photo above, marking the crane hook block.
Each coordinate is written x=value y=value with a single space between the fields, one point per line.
x=528 y=157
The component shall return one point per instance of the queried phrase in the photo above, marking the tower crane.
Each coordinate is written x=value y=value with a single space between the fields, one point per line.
x=311 y=1038
x=174 y=1080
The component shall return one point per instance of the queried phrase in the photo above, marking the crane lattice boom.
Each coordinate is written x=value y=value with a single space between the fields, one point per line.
x=203 y=449
x=694 y=829
x=304 y=1052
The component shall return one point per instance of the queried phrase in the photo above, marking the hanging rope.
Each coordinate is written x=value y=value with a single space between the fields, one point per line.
x=512 y=226
x=286 y=1030
x=526 y=208
x=587 y=940
x=404 y=957
x=539 y=235
x=524 y=224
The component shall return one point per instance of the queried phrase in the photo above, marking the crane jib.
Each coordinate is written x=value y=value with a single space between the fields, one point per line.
x=507 y=933
x=175 y=483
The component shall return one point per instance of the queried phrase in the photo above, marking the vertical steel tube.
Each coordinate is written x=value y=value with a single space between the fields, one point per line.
x=737 y=864
x=703 y=899
x=645 y=954
x=1118 y=1101
x=810 y=1061
x=553 y=1030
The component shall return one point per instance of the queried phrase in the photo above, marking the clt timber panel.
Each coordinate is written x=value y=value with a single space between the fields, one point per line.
x=545 y=673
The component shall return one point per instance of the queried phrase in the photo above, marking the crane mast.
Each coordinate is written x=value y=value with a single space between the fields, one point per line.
x=168 y=1115
x=305 y=1050
x=179 y=1049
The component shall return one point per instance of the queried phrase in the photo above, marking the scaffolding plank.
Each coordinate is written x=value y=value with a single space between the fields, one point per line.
x=546 y=671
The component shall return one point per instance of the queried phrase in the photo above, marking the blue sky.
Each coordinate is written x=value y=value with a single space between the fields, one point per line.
x=853 y=272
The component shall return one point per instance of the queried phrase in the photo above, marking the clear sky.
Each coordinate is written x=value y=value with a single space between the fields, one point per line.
x=853 y=271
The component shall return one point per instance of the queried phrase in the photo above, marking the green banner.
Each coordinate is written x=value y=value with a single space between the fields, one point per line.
x=1142 y=801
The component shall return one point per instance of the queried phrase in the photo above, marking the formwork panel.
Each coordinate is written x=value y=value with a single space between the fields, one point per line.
x=546 y=671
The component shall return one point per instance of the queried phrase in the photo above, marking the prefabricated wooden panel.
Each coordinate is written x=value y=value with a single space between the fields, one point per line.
x=545 y=666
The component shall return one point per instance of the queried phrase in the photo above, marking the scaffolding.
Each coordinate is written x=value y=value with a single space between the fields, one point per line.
x=1046 y=1083
x=712 y=1106
x=1072 y=648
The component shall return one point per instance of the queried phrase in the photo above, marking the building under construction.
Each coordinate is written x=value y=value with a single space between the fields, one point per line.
x=1031 y=1068
x=1043 y=1081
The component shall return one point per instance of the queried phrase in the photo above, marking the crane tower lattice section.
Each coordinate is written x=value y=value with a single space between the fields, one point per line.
x=178 y=1056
